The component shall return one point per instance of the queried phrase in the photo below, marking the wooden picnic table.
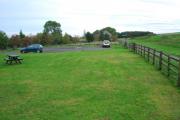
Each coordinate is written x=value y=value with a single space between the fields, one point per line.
x=13 y=58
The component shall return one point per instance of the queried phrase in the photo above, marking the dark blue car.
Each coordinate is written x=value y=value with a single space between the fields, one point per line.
x=32 y=48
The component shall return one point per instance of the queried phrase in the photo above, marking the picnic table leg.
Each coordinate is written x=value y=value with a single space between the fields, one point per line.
x=19 y=61
x=7 y=61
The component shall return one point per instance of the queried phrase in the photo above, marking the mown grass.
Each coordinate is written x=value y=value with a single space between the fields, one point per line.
x=90 y=85
x=169 y=43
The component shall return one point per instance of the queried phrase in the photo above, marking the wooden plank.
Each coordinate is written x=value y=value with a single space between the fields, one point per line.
x=164 y=63
x=166 y=55
x=174 y=71
x=157 y=55
x=173 y=65
x=175 y=58
x=151 y=52
x=165 y=59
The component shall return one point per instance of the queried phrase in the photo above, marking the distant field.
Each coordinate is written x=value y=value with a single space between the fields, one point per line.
x=169 y=43
x=112 y=84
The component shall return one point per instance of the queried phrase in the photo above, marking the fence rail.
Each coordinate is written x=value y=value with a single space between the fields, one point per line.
x=168 y=64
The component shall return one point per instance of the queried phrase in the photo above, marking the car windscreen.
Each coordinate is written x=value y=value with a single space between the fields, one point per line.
x=106 y=42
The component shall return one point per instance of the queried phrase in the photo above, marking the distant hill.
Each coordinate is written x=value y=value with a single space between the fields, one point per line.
x=132 y=34
x=169 y=43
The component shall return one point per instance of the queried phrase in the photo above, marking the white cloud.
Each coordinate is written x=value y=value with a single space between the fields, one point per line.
x=75 y=16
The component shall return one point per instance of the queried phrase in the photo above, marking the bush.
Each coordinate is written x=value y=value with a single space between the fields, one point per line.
x=3 y=40
x=89 y=37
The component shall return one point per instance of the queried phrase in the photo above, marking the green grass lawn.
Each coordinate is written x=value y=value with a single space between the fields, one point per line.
x=90 y=85
x=169 y=43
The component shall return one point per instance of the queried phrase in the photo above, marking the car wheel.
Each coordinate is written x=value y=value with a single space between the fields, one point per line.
x=38 y=51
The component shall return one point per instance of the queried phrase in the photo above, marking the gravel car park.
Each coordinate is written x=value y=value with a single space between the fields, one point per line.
x=71 y=48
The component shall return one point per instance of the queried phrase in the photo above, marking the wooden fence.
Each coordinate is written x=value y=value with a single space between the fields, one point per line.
x=168 y=64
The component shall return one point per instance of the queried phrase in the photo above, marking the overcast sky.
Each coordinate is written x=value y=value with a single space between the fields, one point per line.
x=75 y=16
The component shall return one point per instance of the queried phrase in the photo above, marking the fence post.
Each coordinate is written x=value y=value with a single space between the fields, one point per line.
x=148 y=53
x=141 y=50
x=160 y=60
x=178 y=83
x=168 y=66
x=134 y=47
x=125 y=43
x=154 y=55
x=137 y=48
x=144 y=52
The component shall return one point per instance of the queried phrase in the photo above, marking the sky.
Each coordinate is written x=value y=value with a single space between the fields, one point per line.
x=77 y=16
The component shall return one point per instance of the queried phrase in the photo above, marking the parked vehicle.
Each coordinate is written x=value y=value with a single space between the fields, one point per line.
x=32 y=48
x=106 y=43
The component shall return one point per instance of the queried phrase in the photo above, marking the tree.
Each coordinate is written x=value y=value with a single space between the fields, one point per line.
x=89 y=37
x=66 y=39
x=21 y=38
x=106 y=33
x=75 y=39
x=53 y=29
x=21 y=34
x=109 y=33
x=110 y=30
x=96 y=35
x=56 y=38
x=3 y=40
x=27 y=41
x=107 y=37
x=15 y=41
x=39 y=38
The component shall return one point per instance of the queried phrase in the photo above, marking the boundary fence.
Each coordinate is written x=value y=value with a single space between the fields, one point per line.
x=168 y=64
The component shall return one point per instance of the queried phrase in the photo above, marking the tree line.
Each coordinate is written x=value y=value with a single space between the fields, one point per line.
x=131 y=34
x=111 y=34
x=107 y=33
x=51 y=35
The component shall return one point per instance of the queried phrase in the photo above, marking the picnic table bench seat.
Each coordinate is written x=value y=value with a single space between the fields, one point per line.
x=10 y=59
